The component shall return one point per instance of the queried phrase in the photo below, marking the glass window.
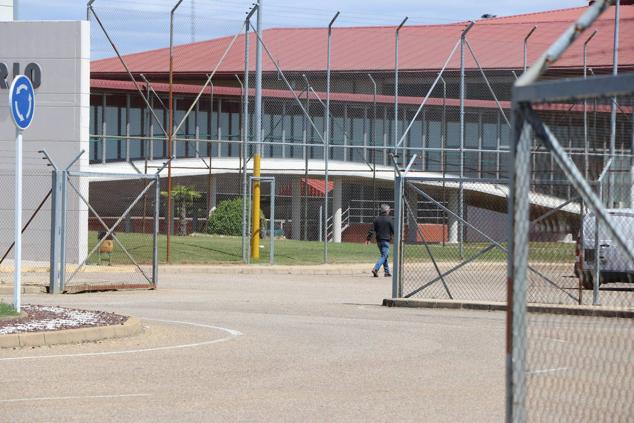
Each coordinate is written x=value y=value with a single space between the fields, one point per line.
x=136 y=116
x=452 y=162
x=489 y=165
x=505 y=135
x=471 y=161
x=115 y=119
x=432 y=161
x=453 y=134
x=490 y=135
x=471 y=131
x=337 y=137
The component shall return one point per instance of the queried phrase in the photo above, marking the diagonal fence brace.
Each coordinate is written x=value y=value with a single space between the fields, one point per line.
x=110 y=230
x=440 y=275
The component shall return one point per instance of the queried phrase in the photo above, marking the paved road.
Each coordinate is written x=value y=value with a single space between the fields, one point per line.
x=223 y=347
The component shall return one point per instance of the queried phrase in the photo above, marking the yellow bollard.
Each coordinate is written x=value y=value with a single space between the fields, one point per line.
x=255 y=215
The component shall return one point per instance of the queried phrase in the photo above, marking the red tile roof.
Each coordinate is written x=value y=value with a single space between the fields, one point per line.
x=498 y=43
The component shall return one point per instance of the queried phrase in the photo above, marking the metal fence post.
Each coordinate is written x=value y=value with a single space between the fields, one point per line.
x=56 y=206
x=272 y=235
x=396 y=268
x=62 y=235
x=615 y=71
x=327 y=138
x=526 y=46
x=596 y=300
x=246 y=132
x=586 y=148
x=462 y=136
x=321 y=223
x=517 y=269
x=157 y=213
x=398 y=30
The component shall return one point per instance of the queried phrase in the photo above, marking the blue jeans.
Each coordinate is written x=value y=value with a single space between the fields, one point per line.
x=384 y=249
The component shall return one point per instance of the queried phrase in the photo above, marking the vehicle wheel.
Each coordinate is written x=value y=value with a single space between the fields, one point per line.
x=586 y=280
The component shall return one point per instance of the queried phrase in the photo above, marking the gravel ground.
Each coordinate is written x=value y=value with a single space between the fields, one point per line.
x=51 y=318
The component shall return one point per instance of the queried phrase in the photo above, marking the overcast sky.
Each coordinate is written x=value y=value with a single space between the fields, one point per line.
x=143 y=24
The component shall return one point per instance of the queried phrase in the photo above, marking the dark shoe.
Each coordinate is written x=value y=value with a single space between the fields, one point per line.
x=388 y=275
x=375 y=273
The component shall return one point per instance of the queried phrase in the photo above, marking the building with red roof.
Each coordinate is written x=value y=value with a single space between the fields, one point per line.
x=362 y=95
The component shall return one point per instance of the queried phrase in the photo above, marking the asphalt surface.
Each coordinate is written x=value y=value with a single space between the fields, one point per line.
x=249 y=347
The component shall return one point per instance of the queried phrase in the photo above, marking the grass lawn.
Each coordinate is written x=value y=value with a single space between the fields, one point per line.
x=7 y=310
x=214 y=249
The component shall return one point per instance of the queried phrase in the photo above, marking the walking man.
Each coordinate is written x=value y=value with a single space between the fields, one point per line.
x=382 y=230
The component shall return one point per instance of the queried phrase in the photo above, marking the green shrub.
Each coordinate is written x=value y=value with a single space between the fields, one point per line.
x=227 y=218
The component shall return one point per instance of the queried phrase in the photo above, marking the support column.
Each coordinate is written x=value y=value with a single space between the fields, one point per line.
x=296 y=208
x=453 y=204
x=336 y=209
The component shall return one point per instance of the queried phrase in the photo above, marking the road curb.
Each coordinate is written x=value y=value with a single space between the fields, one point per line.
x=571 y=310
x=25 y=289
x=339 y=269
x=131 y=327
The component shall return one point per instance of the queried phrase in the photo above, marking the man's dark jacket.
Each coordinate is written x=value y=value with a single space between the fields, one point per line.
x=382 y=229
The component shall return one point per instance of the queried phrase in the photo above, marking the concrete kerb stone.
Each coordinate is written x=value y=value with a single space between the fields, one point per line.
x=322 y=269
x=571 y=310
x=131 y=327
x=6 y=289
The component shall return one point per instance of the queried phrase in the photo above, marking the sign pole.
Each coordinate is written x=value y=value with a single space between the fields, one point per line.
x=22 y=109
x=17 y=292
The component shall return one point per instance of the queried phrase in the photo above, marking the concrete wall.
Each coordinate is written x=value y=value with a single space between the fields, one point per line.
x=6 y=10
x=60 y=125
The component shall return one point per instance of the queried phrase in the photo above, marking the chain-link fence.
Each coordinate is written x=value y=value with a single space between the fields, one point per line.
x=115 y=243
x=572 y=363
x=36 y=232
x=579 y=368
x=370 y=93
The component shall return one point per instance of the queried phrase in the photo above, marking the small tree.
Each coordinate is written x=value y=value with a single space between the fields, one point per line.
x=227 y=218
x=183 y=197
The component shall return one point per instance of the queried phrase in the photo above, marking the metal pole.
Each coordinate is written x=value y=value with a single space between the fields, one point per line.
x=398 y=217
x=632 y=159
x=272 y=225
x=62 y=234
x=17 y=255
x=586 y=148
x=597 y=254
x=615 y=71
x=55 y=231
x=170 y=134
x=209 y=150
x=526 y=46
x=306 y=150
x=247 y=132
x=321 y=222
x=517 y=269
x=398 y=30
x=255 y=209
x=155 y=256
x=462 y=134
x=327 y=137
x=373 y=132
x=15 y=18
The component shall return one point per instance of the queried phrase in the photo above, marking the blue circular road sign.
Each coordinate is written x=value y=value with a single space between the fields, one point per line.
x=22 y=101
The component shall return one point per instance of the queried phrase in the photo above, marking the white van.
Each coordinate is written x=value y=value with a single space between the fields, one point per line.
x=614 y=264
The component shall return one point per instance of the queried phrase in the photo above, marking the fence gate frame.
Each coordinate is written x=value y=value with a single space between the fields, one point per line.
x=60 y=188
x=402 y=209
